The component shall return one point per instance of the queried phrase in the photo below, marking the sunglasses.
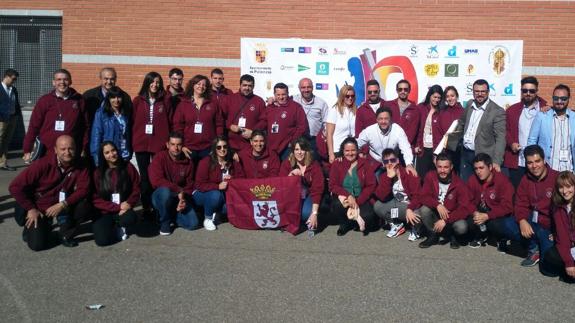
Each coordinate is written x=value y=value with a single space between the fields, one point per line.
x=560 y=98
x=402 y=89
x=350 y=96
x=531 y=91
x=372 y=92
x=389 y=161
x=222 y=147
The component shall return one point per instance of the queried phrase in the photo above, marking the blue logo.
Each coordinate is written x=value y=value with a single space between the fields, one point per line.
x=304 y=50
x=432 y=50
x=470 y=51
x=452 y=52
x=508 y=89
x=322 y=68
x=287 y=50
x=322 y=86
x=492 y=87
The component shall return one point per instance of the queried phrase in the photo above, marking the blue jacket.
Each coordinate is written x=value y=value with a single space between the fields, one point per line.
x=541 y=133
x=107 y=128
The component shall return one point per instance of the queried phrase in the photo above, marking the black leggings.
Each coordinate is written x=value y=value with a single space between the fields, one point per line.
x=366 y=212
x=143 y=159
x=104 y=226
x=552 y=265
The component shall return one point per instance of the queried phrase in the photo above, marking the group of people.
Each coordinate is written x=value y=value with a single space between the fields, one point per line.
x=432 y=169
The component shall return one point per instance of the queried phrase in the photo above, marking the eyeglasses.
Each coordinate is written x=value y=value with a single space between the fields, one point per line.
x=389 y=161
x=530 y=91
x=402 y=89
x=560 y=98
x=350 y=96
x=373 y=92
x=222 y=147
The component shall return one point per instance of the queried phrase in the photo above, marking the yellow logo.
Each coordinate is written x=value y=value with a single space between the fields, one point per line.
x=261 y=52
x=431 y=69
x=263 y=191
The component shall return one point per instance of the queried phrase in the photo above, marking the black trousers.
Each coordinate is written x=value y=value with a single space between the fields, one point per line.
x=38 y=238
x=553 y=265
x=365 y=210
x=425 y=162
x=144 y=159
x=495 y=228
x=104 y=226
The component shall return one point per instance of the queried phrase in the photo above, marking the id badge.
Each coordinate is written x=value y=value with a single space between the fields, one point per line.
x=61 y=197
x=116 y=198
x=275 y=127
x=59 y=125
x=225 y=174
x=535 y=216
x=564 y=155
x=198 y=127
x=149 y=129
x=428 y=138
x=242 y=122
x=394 y=213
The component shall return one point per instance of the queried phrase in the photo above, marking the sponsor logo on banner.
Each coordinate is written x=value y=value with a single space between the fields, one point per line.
x=322 y=86
x=452 y=52
x=339 y=52
x=432 y=52
x=301 y=68
x=260 y=70
x=266 y=212
x=451 y=70
x=304 y=50
x=287 y=50
x=499 y=59
x=322 y=51
x=339 y=69
x=469 y=88
x=508 y=90
x=470 y=71
x=431 y=70
x=286 y=67
x=471 y=51
x=492 y=91
x=413 y=51
x=261 y=53
x=322 y=68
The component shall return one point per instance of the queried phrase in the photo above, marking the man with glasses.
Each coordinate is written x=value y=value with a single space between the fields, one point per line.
x=175 y=88
x=94 y=98
x=395 y=194
x=520 y=117
x=10 y=114
x=555 y=132
x=405 y=113
x=481 y=128
x=365 y=115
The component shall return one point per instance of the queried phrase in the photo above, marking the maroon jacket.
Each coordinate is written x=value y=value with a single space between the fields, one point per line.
x=312 y=178
x=564 y=235
x=511 y=159
x=50 y=108
x=109 y=207
x=456 y=200
x=292 y=124
x=497 y=195
x=267 y=165
x=162 y=119
x=365 y=173
x=177 y=175
x=410 y=184
x=409 y=121
x=447 y=116
x=435 y=128
x=535 y=195
x=39 y=185
x=253 y=108
x=365 y=116
x=209 y=115
x=208 y=178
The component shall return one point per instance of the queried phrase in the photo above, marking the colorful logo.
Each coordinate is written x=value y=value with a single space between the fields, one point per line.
x=451 y=70
x=322 y=68
x=499 y=58
x=431 y=70
x=304 y=50
x=261 y=55
x=322 y=86
x=452 y=52
x=470 y=70
x=287 y=50
x=301 y=68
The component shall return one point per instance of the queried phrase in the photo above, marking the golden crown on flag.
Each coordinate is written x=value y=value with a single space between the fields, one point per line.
x=263 y=191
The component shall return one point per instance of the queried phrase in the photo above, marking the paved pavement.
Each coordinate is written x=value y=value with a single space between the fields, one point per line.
x=233 y=275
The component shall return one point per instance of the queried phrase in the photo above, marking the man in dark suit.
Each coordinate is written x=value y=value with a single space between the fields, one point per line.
x=481 y=129
x=10 y=113
x=94 y=97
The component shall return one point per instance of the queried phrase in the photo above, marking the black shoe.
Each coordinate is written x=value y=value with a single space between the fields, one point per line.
x=431 y=240
x=68 y=242
x=8 y=168
x=25 y=235
x=453 y=243
x=343 y=229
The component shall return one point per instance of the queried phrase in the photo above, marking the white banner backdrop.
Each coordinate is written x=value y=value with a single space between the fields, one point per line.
x=333 y=63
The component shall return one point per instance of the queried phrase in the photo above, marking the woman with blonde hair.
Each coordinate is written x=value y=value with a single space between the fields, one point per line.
x=340 y=122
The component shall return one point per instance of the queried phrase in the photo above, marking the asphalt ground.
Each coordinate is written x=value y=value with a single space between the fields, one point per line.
x=233 y=275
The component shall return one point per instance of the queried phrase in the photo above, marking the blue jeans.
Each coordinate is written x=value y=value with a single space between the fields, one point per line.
x=306 y=207
x=166 y=201
x=212 y=201
x=466 y=164
x=540 y=240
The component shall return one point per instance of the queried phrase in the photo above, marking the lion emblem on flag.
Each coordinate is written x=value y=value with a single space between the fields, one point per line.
x=266 y=214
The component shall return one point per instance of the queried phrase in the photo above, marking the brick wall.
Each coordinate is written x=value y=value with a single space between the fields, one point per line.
x=213 y=29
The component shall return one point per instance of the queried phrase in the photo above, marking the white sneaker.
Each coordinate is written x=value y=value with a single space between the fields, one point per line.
x=122 y=234
x=209 y=225
x=394 y=230
x=413 y=235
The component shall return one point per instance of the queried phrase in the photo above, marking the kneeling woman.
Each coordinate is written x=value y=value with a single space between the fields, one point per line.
x=301 y=163
x=352 y=182
x=212 y=176
x=117 y=190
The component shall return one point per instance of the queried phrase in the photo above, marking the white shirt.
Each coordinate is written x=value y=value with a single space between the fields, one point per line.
x=377 y=141
x=443 y=188
x=7 y=89
x=315 y=111
x=344 y=126
x=525 y=121
x=399 y=192
x=476 y=114
x=561 y=159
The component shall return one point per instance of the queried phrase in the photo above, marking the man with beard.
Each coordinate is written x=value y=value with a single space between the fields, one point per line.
x=555 y=131
x=520 y=117
x=365 y=115
x=405 y=113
